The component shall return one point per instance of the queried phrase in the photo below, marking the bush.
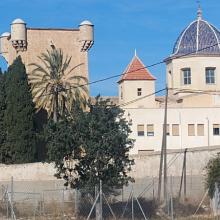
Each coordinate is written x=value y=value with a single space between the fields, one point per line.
x=212 y=174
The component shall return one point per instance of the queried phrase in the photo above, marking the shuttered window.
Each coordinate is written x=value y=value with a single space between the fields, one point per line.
x=150 y=130
x=175 y=129
x=140 y=130
x=200 y=129
x=191 y=130
x=168 y=129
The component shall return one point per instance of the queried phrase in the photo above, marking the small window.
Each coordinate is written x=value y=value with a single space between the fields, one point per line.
x=191 y=130
x=139 y=92
x=150 y=130
x=216 y=129
x=140 y=130
x=121 y=93
x=200 y=129
x=175 y=130
x=168 y=129
x=186 y=76
x=210 y=75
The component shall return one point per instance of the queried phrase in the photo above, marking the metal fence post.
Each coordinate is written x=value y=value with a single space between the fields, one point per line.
x=76 y=203
x=12 y=197
x=100 y=199
x=171 y=197
x=63 y=202
x=132 y=203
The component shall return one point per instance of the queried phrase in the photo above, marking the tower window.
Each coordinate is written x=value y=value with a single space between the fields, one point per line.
x=139 y=91
x=121 y=93
x=210 y=75
x=186 y=76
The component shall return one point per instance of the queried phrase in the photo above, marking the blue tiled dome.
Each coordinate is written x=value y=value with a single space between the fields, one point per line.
x=199 y=37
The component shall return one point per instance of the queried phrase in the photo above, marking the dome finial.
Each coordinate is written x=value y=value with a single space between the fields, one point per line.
x=199 y=11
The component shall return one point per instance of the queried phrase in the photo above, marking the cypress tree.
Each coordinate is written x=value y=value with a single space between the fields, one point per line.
x=20 y=143
x=2 y=113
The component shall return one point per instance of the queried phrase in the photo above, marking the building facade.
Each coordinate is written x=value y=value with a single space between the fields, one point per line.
x=192 y=75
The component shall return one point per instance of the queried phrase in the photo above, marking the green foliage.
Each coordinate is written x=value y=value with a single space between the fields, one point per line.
x=20 y=145
x=2 y=113
x=55 y=86
x=97 y=141
x=213 y=174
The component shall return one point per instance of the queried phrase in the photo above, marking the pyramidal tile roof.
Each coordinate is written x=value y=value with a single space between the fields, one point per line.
x=136 y=71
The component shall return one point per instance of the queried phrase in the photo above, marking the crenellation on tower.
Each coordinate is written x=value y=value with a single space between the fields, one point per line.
x=86 y=35
x=29 y=43
x=19 y=35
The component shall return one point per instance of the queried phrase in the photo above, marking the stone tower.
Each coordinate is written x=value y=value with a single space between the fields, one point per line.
x=29 y=43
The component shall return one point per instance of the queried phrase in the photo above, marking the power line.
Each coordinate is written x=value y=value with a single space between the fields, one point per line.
x=143 y=97
x=145 y=67
x=118 y=75
x=148 y=66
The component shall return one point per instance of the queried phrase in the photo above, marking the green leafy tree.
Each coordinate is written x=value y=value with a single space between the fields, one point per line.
x=54 y=86
x=2 y=113
x=20 y=146
x=92 y=146
x=213 y=174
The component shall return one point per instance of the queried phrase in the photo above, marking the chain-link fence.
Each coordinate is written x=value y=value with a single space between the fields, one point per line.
x=136 y=201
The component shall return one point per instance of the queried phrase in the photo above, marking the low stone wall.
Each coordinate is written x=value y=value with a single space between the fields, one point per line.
x=196 y=161
x=39 y=177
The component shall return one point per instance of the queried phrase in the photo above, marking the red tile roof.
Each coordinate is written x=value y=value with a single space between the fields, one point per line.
x=136 y=71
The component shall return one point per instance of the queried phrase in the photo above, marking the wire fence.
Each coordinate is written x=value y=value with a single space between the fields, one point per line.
x=136 y=201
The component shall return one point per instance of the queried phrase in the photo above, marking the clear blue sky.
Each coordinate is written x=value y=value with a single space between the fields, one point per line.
x=150 y=26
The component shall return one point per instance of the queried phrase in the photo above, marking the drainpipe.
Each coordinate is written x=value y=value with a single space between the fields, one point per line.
x=208 y=138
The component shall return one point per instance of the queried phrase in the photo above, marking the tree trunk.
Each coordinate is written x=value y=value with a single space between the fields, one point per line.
x=55 y=111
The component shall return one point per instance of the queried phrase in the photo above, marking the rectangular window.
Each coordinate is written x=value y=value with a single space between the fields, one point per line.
x=216 y=129
x=175 y=130
x=140 y=130
x=168 y=129
x=200 y=129
x=139 y=92
x=150 y=130
x=191 y=130
x=210 y=75
x=121 y=93
x=186 y=76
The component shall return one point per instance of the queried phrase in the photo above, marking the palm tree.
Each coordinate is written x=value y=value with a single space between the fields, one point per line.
x=54 y=87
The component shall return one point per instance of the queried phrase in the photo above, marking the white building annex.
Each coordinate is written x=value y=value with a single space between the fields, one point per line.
x=193 y=79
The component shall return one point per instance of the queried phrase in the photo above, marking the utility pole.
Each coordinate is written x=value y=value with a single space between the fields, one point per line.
x=163 y=155
x=165 y=146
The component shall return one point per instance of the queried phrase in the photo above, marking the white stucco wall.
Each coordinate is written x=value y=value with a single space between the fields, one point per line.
x=129 y=90
x=181 y=116
x=197 y=66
